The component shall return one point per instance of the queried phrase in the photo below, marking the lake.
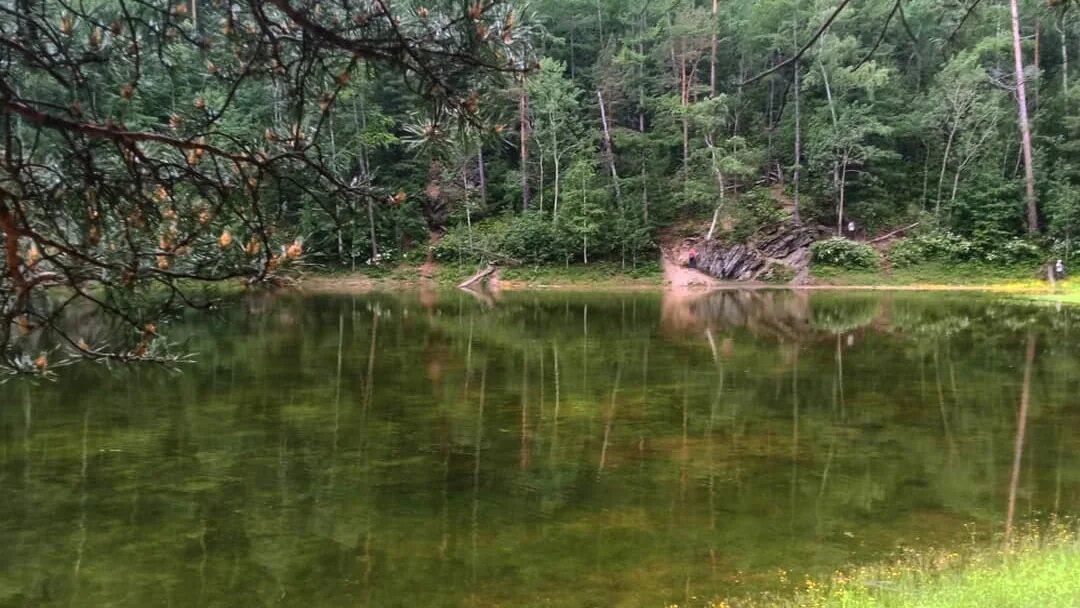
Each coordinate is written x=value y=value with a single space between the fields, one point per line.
x=539 y=449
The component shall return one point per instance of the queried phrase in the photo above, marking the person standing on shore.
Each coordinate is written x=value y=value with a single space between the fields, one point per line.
x=692 y=260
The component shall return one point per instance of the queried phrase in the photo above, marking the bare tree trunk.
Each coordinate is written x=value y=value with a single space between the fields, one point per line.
x=371 y=228
x=798 y=144
x=540 y=177
x=482 y=175
x=836 y=162
x=641 y=70
x=712 y=226
x=712 y=53
x=609 y=153
x=555 y=205
x=797 y=172
x=944 y=164
x=716 y=165
x=644 y=195
x=684 y=87
x=468 y=203
x=1025 y=126
x=1064 y=53
x=523 y=107
x=843 y=190
x=925 y=176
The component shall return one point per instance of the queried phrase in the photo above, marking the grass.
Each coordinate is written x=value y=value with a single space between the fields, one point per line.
x=601 y=274
x=1042 y=570
x=1017 y=278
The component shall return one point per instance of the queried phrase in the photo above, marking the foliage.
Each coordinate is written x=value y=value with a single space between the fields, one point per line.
x=843 y=253
x=154 y=133
x=944 y=246
x=148 y=143
x=948 y=246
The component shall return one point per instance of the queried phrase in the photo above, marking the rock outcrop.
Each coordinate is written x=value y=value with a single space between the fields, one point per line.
x=780 y=254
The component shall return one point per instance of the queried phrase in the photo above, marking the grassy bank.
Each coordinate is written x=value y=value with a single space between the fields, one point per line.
x=601 y=275
x=1003 y=278
x=1020 y=281
x=1041 y=571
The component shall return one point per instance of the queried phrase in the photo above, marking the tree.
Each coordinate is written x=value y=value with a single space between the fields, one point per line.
x=125 y=169
x=1025 y=126
x=556 y=124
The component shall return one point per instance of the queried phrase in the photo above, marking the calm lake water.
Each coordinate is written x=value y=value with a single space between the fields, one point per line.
x=545 y=449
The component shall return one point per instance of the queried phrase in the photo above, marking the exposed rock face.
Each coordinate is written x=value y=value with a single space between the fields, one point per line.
x=777 y=254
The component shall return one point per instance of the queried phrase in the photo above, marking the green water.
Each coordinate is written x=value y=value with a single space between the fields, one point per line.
x=542 y=450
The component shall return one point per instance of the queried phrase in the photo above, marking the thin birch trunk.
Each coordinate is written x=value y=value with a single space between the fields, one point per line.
x=1025 y=125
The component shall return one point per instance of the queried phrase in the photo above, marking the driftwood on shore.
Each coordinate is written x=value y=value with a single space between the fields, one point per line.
x=481 y=275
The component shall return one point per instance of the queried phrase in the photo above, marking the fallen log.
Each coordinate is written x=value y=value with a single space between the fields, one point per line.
x=893 y=233
x=481 y=275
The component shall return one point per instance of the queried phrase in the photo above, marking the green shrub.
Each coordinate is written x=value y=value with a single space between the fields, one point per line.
x=532 y=238
x=931 y=246
x=486 y=242
x=843 y=253
x=1013 y=251
x=944 y=246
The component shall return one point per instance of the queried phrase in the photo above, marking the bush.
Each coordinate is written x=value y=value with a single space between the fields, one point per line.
x=844 y=253
x=931 y=246
x=944 y=246
x=529 y=238
x=1014 y=251
x=486 y=243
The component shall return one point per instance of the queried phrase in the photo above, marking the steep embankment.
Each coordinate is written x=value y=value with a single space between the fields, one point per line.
x=778 y=254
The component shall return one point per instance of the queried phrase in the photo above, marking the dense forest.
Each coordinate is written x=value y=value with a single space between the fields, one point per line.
x=146 y=143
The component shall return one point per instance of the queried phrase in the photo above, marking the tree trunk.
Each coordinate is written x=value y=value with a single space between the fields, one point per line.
x=798 y=145
x=608 y=151
x=684 y=90
x=1064 y=53
x=842 y=191
x=836 y=129
x=644 y=195
x=944 y=164
x=1025 y=126
x=540 y=176
x=523 y=106
x=712 y=53
x=482 y=175
x=468 y=203
x=712 y=226
x=555 y=204
x=955 y=185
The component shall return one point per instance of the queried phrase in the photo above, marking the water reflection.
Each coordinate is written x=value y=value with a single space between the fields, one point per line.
x=563 y=449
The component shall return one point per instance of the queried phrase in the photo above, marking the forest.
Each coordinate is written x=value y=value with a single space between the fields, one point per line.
x=147 y=145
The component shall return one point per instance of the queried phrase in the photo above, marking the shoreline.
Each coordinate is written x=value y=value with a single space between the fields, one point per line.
x=360 y=283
